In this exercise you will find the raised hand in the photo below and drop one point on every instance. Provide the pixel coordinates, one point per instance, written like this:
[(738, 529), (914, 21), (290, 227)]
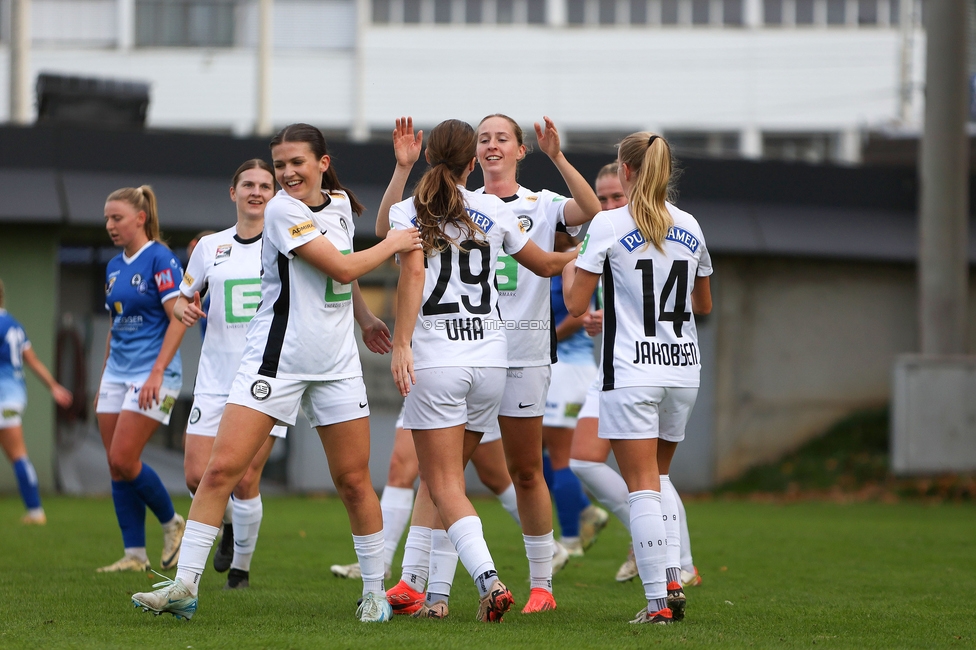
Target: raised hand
[(406, 145), (548, 138)]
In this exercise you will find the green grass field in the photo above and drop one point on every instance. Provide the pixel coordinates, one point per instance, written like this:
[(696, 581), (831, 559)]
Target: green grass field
[(865, 575)]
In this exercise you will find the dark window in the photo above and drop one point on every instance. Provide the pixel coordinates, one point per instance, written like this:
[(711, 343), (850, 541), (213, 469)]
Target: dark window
[(537, 12), (638, 12), (411, 11), (575, 12), (669, 12), (835, 12), (185, 23), (381, 11), (894, 11), (773, 12), (442, 11), (732, 12), (867, 12), (608, 12), (804, 12), (472, 11), (699, 12), (505, 12)]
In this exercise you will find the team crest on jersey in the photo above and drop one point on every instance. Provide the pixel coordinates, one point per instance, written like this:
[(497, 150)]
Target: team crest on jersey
[(223, 253), (260, 390), (164, 280), (632, 240), (481, 220), (194, 415), (683, 237), (135, 280), (525, 223), (301, 229)]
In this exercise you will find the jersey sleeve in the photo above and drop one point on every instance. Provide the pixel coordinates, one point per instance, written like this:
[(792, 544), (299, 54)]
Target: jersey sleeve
[(555, 207), (195, 277), (287, 227), (515, 237), (400, 219), (596, 245), (167, 274), (704, 260)]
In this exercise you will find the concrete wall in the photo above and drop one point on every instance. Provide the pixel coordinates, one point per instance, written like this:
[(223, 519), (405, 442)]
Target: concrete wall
[(29, 269), (801, 344), (588, 79)]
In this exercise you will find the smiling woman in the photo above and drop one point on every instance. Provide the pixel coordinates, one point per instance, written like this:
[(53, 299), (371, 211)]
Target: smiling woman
[(142, 374), (300, 353)]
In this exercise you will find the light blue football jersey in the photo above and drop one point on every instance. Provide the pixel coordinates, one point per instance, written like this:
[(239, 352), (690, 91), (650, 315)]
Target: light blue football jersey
[(135, 289), (13, 342)]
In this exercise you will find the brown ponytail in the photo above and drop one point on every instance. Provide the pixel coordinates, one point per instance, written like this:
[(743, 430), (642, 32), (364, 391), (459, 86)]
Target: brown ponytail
[(451, 147), (649, 157)]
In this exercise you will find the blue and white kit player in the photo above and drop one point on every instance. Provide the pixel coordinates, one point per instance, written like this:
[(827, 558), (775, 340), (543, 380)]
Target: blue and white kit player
[(135, 291)]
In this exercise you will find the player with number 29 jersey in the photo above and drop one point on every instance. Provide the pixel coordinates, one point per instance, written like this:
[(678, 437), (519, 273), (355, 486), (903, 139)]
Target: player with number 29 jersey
[(460, 294), (658, 347)]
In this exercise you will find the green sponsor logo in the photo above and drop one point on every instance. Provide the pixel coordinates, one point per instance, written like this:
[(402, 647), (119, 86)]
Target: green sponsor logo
[(506, 273), (241, 299), (336, 291)]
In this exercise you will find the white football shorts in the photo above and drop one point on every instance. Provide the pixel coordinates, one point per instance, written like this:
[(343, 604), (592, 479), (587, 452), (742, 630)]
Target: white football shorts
[(490, 436), (591, 404), (567, 392), (115, 397), (642, 412), (449, 396), (322, 402), (10, 414), (525, 391), (205, 415)]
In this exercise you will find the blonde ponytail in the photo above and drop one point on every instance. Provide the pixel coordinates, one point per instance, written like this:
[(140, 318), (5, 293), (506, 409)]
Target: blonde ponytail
[(143, 199), (649, 157)]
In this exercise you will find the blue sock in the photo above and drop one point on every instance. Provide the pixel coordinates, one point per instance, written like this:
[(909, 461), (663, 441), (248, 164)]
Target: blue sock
[(131, 513), (570, 501), (27, 482), (547, 471), (151, 490)]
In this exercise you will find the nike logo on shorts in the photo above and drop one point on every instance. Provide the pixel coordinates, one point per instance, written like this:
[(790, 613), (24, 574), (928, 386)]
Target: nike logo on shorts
[(525, 406)]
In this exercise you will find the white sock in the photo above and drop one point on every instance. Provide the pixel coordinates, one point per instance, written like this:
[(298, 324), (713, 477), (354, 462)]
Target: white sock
[(468, 538), (137, 552), (229, 512), (510, 503), (396, 504), (198, 539), (538, 549), (247, 523), (686, 562), (443, 564), (672, 527), (416, 558), (606, 485), (369, 550), (647, 532)]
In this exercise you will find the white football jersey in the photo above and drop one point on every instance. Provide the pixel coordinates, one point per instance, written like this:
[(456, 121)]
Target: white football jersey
[(524, 296), (227, 268), (458, 323), (649, 333), (303, 328)]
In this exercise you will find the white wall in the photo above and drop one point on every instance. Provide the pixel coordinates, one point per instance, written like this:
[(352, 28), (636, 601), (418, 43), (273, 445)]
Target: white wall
[(587, 78)]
